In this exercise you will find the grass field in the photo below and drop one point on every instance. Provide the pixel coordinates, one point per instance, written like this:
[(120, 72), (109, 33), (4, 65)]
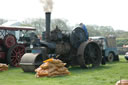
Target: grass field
[(108, 74)]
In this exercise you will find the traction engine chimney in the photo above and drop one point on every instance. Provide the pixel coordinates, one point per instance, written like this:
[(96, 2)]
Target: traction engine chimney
[(47, 23)]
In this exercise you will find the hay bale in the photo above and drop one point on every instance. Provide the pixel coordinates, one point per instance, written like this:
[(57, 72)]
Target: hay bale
[(122, 82), (3, 67), (52, 67)]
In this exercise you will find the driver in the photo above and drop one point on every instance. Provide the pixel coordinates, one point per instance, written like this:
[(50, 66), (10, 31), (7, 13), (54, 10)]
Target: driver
[(85, 29)]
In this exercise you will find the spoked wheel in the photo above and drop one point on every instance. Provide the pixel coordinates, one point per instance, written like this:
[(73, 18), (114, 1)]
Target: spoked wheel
[(9, 40), (110, 57), (14, 55), (90, 54)]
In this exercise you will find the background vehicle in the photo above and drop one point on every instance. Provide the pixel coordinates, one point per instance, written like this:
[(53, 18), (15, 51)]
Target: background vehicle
[(126, 56), (11, 48), (108, 46)]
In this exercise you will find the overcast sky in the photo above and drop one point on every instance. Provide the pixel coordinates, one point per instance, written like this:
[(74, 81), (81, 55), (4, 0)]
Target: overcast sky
[(99, 12)]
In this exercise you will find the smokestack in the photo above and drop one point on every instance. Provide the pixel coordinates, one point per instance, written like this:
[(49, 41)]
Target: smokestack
[(47, 23)]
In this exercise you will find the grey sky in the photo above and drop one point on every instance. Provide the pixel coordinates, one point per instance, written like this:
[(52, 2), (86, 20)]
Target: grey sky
[(100, 12)]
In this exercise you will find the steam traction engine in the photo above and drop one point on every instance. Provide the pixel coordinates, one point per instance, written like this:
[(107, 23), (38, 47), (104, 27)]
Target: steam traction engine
[(11, 50), (71, 48)]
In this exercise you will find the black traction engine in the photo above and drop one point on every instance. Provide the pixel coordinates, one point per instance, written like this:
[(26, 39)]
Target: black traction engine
[(71, 48)]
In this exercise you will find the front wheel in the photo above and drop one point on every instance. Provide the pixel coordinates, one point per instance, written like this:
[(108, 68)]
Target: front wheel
[(110, 57)]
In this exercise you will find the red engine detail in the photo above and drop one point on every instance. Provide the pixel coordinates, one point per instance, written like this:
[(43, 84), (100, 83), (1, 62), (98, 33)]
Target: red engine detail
[(1, 41), (2, 55), (9, 40)]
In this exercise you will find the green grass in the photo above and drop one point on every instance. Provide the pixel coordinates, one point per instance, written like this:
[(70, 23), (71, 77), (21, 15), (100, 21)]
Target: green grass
[(107, 74)]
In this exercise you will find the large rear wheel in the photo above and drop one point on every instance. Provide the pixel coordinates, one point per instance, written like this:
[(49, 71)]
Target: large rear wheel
[(14, 55), (89, 54)]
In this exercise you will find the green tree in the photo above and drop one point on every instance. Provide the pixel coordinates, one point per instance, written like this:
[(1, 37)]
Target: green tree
[(95, 30), (92, 30), (2, 21), (121, 34), (122, 41), (62, 24), (39, 24)]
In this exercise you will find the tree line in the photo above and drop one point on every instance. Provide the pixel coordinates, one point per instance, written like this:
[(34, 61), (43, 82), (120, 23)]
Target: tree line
[(94, 30), (121, 35)]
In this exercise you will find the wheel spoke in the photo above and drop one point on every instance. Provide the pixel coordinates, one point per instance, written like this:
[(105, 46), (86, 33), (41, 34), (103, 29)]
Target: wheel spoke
[(15, 54)]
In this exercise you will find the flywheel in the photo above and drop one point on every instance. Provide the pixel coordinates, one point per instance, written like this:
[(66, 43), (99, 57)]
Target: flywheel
[(9, 40)]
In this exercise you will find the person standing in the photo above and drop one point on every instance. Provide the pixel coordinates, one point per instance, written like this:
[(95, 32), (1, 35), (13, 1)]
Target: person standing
[(85, 29)]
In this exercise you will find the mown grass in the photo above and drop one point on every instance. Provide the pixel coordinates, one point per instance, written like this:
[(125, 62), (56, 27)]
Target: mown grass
[(107, 74)]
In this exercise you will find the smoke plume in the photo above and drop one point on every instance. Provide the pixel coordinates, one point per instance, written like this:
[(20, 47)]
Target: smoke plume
[(47, 5)]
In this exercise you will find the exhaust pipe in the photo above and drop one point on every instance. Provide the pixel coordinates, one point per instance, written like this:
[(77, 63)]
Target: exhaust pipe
[(47, 23)]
